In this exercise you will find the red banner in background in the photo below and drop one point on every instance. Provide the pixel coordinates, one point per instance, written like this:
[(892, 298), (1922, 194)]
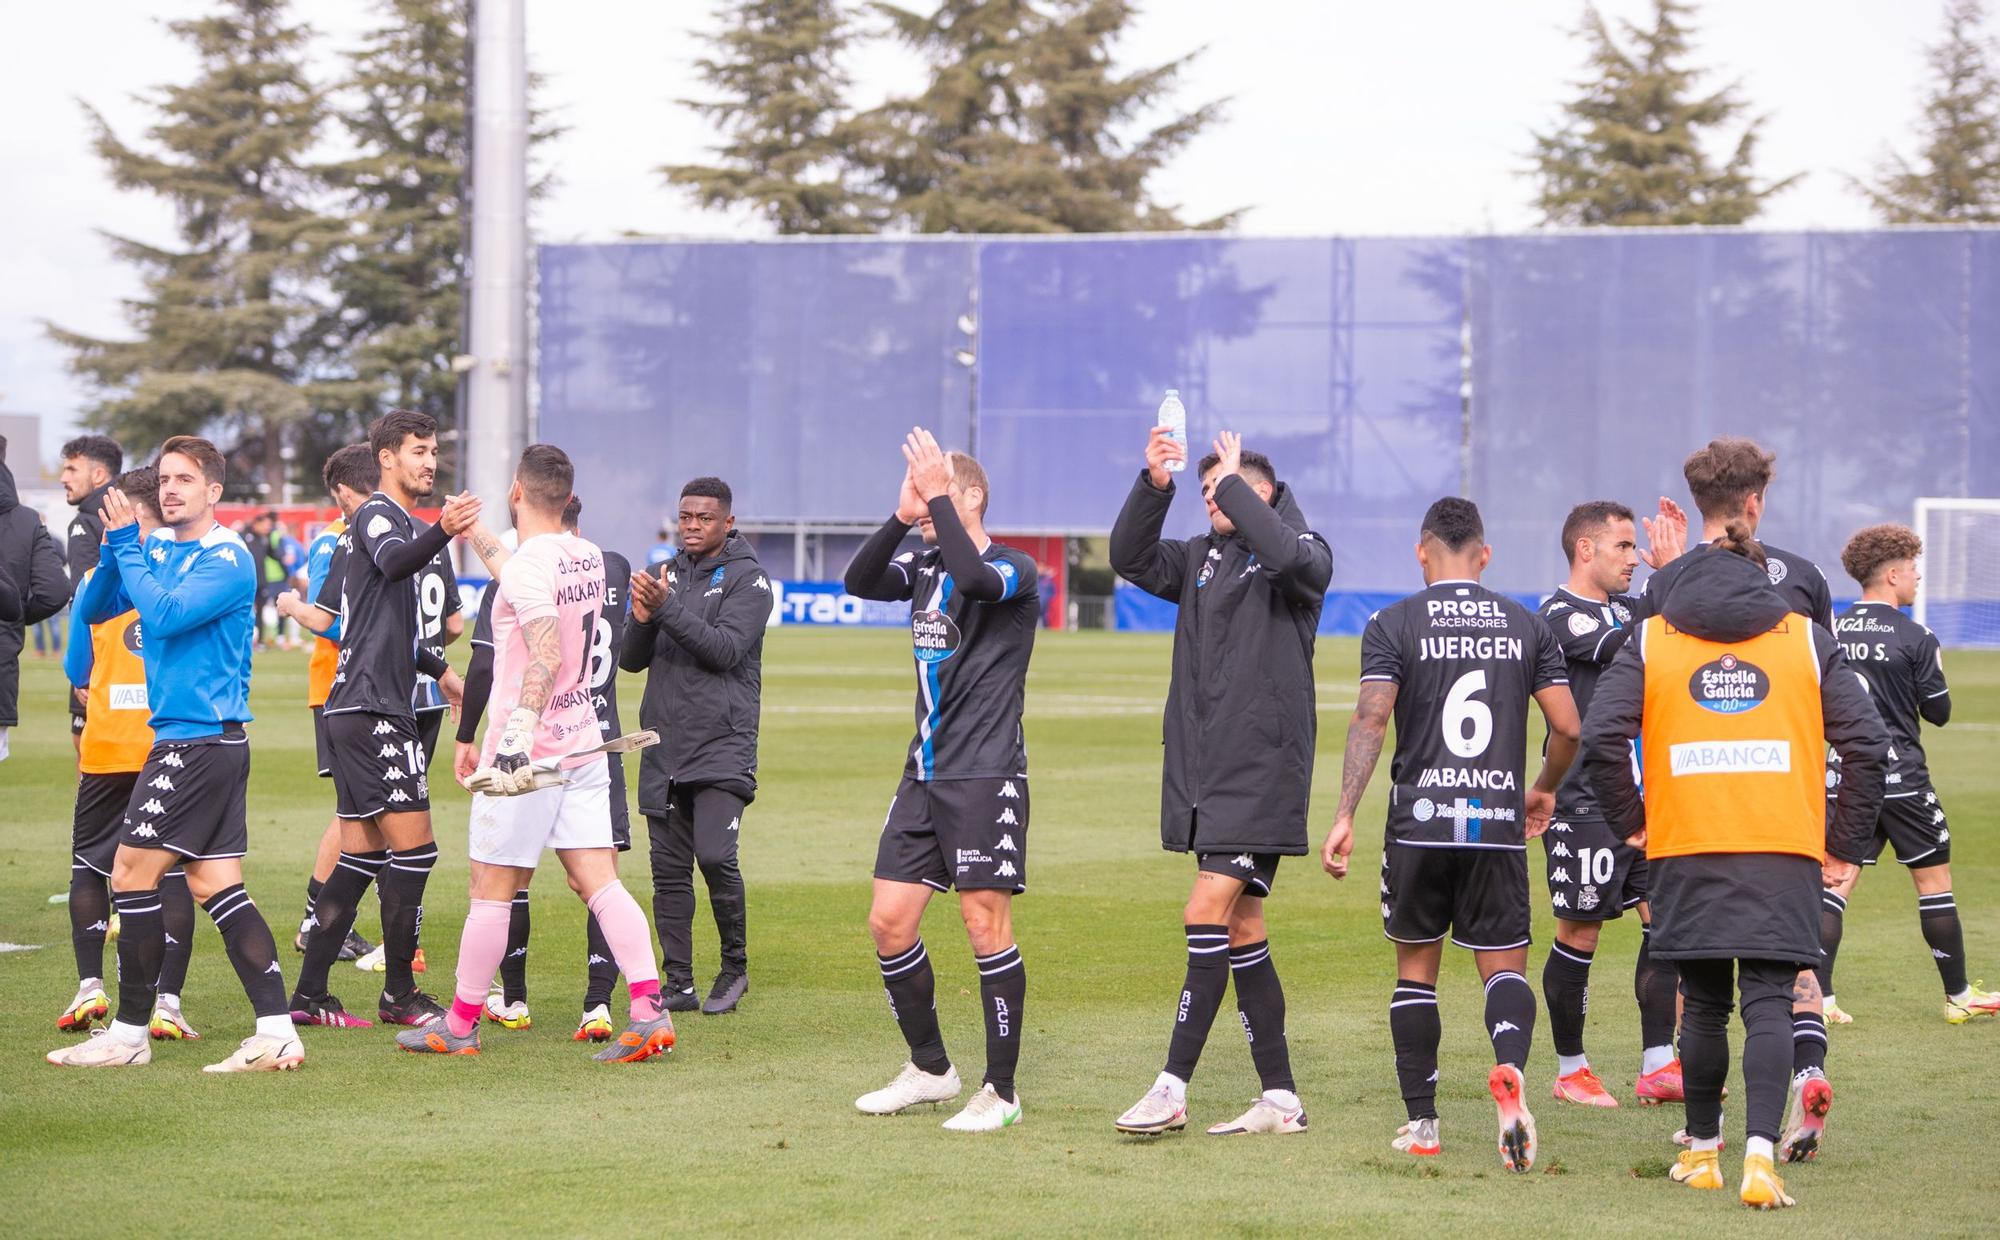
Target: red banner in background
[(1051, 552)]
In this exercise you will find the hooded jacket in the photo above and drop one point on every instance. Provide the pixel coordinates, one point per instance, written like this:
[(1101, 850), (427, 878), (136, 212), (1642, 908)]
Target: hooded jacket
[(34, 568), (1241, 716), (703, 655), (1740, 905)]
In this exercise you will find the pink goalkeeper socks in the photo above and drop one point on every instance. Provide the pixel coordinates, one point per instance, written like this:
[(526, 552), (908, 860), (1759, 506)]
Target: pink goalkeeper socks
[(624, 927), (480, 949)]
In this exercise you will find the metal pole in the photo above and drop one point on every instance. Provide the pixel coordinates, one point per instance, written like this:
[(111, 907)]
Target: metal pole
[(496, 387)]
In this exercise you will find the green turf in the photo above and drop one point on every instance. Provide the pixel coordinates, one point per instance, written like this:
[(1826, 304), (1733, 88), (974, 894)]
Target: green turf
[(751, 1123)]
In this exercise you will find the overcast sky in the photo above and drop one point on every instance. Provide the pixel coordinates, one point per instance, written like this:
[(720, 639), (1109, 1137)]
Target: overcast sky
[(1346, 117)]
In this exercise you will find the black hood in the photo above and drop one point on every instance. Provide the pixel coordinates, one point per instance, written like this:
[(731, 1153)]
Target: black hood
[(1720, 596), (10, 499)]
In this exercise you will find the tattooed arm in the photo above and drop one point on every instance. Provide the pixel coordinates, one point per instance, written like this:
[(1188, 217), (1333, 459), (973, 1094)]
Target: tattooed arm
[(1364, 748), (489, 549)]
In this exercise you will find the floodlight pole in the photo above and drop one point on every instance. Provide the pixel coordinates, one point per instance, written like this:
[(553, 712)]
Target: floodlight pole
[(496, 390)]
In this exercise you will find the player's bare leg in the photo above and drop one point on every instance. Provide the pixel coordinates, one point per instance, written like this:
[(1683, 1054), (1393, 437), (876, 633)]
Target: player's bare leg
[(1003, 989), (895, 921)]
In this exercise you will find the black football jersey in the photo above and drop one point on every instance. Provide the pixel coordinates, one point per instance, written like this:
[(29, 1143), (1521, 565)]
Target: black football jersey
[(1900, 662), (1468, 662), (1591, 635), (377, 671), (1797, 579), (437, 601), (972, 666)]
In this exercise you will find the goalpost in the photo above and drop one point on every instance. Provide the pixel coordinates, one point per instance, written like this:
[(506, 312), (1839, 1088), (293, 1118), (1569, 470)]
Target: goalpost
[(1959, 597)]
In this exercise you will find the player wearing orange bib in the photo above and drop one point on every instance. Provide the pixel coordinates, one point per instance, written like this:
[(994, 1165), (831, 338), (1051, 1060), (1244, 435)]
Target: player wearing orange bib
[(105, 662), (1734, 698)]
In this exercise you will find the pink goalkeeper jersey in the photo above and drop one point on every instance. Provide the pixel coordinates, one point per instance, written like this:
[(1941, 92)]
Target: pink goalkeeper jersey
[(561, 577)]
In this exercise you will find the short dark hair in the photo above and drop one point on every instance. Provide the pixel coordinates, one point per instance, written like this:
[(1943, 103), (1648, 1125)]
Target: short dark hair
[(214, 466), (1877, 545), (1726, 473), (1256, 467), (387, 433), (100, 448), (142, 487), (711, 487), (1585, 520), (1455, 522), (546, 476), (572, 513), (354, 467)]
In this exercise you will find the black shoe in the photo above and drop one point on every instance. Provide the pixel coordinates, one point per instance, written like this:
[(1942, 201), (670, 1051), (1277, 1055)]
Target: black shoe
[(679, 998), (727, 992), (415, 1008), (355, 947)]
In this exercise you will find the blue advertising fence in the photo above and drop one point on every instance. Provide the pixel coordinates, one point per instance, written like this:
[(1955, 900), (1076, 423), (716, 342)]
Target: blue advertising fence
[(1528, 372)]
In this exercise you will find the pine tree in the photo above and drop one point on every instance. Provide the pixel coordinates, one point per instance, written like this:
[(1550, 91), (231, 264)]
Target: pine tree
[(1025, 125), (781, 103), (1631, 148), (222, 322), (397, 276), (1957, 175)]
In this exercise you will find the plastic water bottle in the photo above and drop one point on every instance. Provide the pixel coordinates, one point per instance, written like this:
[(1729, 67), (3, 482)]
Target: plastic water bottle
[(1173, 416)]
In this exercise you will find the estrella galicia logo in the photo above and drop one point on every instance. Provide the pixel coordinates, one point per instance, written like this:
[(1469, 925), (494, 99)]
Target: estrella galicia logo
[(1729, 686), (134, 640), (934, 636)]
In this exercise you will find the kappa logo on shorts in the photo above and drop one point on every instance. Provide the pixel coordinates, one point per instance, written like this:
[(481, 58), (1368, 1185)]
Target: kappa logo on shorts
[(1006, 818), (162, 783), (392, 774), (1560, 850), (1006, 844), (399, 795), (145, 831), (1242, 861), (1560, 828), (1386, 914), (1007, 791), (171, 759), (1930, 798), (1561, 875), (1559, 900), (387, 751), (1937, 817), (152, 806), (383, 728), (1006, 869)]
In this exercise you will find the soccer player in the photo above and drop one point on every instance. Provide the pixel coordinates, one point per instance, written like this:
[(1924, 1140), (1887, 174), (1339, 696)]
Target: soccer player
[(1593, 876), (1729, 479), (1239, 730), (508, 1007), (90, 467), (698, 633), (960, 816), (350, 476), (1457, 663), (1732, 698), (545, 607), (196, 595), (106, 662), (381, 789), (1903, 669)]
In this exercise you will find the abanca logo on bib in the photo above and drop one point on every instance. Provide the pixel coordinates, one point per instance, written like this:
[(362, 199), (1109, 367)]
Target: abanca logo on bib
[(1729, 686)]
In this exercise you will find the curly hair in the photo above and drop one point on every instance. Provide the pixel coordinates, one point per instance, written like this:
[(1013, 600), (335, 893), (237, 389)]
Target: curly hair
[(1871, 549)]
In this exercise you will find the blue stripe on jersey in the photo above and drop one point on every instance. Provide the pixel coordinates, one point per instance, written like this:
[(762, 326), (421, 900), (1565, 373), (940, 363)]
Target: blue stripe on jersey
[(933, 693)]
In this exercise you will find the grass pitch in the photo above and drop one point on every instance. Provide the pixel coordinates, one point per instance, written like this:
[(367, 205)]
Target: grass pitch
[(749, 1126)]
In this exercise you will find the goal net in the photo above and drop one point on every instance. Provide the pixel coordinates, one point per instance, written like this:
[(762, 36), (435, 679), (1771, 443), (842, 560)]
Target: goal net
[(1959, 598)]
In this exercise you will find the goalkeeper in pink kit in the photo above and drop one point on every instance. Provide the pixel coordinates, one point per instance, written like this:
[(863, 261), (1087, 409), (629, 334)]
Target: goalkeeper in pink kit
[(545, 600)]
